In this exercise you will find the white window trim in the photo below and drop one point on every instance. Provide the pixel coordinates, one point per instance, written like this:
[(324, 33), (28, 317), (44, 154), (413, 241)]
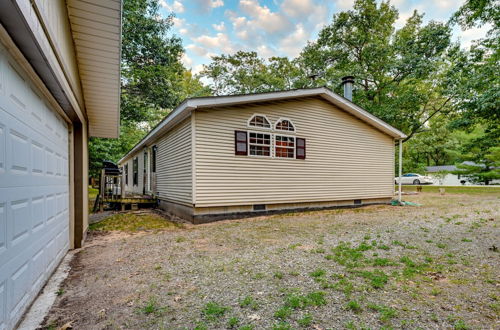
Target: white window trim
[(271, 143), (281, 130), (294, 145), (257, 127)]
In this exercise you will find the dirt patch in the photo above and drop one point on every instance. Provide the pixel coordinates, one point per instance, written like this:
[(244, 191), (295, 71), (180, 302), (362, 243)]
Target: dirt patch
[(374, 267)]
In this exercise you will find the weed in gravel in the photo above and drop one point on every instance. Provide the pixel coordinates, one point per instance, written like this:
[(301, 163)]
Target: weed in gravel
[(460, 325), (384, 247), (318, 250), (441, 245), (378, 279), (297, 301), (246, 327), (278, 275), (385, 312), (398, 243), (382, 262), (258, 276), (354, 306), (348, 256), (282, 326), (283, 313), (213, 311), (233, 322), (495, 307), (436, 292), (200, 326), (60, 292), (250, 302), (180, 239), (318, 273), (152, 307), (467, 240), (345, 286), (412, 268), (305, 321), (294, 246), (428, 241)]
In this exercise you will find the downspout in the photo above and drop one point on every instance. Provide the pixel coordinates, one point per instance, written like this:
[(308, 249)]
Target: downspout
[(400, 168)]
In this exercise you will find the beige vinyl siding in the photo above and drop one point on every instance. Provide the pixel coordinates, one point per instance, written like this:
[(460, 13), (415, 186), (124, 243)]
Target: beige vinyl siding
[(346, 158), (174, 164)]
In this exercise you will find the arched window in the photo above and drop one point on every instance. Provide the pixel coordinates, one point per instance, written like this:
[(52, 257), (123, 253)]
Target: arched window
[(259, 121), (285, 125)]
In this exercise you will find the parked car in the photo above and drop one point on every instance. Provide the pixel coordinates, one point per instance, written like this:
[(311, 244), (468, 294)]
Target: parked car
[(413, 178)]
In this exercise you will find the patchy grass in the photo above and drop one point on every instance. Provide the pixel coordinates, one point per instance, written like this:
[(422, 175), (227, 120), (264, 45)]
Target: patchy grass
[(377, 267), (454, 189), (131, 222)]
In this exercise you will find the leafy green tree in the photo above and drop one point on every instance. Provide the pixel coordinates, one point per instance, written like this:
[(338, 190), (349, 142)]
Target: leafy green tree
[(246, 72), (153, 79), (478, 93), (399, 73)]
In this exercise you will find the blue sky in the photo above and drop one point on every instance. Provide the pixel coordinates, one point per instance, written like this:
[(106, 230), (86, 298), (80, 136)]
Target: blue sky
[(276, 27)]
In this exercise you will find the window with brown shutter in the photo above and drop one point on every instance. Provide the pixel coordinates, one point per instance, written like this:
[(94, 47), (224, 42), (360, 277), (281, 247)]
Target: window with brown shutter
[(240, 143), (301, 148)]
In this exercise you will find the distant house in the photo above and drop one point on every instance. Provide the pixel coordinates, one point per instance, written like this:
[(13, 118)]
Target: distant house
[(441, 175), (299, 149), (59, 84)]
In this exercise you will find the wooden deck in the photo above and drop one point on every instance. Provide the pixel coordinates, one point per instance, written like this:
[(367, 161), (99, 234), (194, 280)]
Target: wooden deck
[(133, 200)]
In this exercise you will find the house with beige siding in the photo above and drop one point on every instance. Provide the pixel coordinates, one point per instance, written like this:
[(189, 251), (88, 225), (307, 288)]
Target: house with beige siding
[(59, 85), (214, 157)]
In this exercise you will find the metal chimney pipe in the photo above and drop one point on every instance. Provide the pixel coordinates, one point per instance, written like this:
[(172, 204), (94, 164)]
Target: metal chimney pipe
[(348, 82)]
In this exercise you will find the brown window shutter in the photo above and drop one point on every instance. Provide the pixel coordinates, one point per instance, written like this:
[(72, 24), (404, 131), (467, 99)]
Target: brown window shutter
[(240, 143), (300, 149)]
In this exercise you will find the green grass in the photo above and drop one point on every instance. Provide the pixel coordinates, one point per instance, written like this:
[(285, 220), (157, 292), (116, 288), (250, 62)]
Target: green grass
[(214, 311), (133, 223), (455, 190), (354, 306), (93, 193)]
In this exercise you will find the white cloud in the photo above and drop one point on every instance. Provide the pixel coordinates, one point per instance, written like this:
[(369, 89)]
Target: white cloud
[(186, 60), (200, 51), (176, 6), (298, 8), (344, 4), (468, 36), (206, 6), (263, 17), (178, 22), (197, 69), (292, 45), (221, 27), (218, 43)]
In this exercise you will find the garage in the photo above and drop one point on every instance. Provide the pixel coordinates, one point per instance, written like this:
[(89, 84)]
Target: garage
[(34, 191)]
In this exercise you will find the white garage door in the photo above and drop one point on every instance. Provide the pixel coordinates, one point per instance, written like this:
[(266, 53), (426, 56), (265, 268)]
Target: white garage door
[(34, 192)]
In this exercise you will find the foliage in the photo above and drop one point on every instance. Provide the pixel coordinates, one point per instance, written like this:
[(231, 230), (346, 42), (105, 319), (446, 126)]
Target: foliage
[(246, 72), (153, 79)]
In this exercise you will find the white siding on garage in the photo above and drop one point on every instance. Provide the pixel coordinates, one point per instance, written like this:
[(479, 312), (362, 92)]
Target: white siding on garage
[(34, 192), (346, 158)]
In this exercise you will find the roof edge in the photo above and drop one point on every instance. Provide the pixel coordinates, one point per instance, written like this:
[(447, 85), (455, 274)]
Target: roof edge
[(188, 105)]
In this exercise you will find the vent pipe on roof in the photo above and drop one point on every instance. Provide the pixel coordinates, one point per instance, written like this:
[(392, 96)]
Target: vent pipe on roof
[(348, 82)]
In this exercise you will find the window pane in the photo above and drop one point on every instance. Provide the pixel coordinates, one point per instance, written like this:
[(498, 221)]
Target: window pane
[(259, 121), (285, 125)]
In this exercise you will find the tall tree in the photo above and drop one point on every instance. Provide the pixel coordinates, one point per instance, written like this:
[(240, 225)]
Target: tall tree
[(398, 72), (478, 96), (246, 72), (153, 79)]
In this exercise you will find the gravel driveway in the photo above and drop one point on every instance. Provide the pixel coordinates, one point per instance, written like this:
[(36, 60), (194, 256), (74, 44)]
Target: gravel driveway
[(433, 267)]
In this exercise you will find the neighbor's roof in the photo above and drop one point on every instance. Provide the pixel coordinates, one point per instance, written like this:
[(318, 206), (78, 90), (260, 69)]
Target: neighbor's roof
[(185, 108), (439, 168), (96, 29)]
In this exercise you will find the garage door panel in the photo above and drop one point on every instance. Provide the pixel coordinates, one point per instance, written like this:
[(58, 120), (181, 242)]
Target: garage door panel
[(33, 160), (3, 303), (34, 192)]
